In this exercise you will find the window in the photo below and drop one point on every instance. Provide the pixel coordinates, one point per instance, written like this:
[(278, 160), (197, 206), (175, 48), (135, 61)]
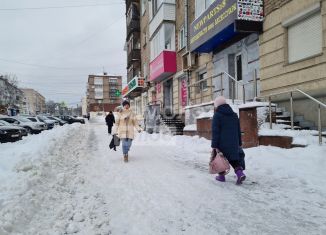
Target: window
[(163, 40), (98, 81), (143, 6), (201, 6), (182, 42), (156, 5), (98, 94), (145, 70), (144, 38), (202, 86), (305, 38)]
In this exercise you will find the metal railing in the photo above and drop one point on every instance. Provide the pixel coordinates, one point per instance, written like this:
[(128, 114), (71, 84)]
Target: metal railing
[(206, 88), (320, 105)]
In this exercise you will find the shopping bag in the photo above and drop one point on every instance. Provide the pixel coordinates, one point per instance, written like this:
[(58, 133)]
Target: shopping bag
[(218, 163)]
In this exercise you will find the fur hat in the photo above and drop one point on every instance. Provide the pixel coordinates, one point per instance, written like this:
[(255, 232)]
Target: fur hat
[(219, 101), (125, 102)]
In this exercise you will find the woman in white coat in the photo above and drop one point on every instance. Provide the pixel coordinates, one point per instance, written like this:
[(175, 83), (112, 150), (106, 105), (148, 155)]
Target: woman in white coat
[(126, 122)]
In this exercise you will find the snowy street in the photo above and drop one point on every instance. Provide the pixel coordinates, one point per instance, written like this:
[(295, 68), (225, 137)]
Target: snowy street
[(69, 182)]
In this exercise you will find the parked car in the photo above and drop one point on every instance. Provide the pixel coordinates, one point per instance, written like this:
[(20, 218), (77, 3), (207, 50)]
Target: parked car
[(9, 133), (71, 119), (22, 129), (31, 127), (60, 121), (51, 123), (36, 119)]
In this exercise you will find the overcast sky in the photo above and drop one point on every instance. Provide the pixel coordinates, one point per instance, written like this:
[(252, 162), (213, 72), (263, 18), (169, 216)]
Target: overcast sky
[(54, 50)]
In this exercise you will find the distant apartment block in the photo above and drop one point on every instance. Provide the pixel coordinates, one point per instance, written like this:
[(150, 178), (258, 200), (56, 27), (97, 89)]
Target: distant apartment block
[(34, 102), (103, 92)]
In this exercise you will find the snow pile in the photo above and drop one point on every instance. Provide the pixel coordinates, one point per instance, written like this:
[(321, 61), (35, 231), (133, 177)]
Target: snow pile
[(20, 156), (300, 137), (48, 195), (79, 186), (192, 127)]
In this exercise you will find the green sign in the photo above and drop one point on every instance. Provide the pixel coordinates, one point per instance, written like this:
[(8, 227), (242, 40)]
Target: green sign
[(117, 93), (132, 84)]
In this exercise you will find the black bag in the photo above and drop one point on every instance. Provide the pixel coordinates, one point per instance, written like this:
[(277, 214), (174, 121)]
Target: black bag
[(116, 140)]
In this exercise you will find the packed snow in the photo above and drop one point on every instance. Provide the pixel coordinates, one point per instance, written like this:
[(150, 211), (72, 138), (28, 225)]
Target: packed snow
[(67, 181)]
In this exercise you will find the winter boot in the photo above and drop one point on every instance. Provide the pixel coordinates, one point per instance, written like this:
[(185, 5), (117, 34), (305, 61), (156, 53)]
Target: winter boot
[(240, 175), (220, 178), (125, 158)]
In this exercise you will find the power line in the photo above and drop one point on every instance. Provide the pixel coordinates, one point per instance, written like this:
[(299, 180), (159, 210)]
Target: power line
[(58, 7), (46, 66)]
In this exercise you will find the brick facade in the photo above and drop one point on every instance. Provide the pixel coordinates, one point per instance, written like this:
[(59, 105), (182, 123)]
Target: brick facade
[(271, 5)]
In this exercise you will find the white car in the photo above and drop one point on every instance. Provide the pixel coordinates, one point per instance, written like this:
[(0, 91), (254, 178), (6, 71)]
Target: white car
[(31, 127)]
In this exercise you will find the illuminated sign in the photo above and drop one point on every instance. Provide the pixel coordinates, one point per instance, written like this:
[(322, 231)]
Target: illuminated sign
[(135, 83)]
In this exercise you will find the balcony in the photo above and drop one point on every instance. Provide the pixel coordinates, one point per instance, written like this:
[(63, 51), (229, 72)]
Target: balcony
[(133, 55), (133, 26), (163, 66), (166, 12), (129, 2)]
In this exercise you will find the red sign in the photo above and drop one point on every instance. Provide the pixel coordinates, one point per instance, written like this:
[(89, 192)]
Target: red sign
[(184, 92), (125, 90), (163, 66)]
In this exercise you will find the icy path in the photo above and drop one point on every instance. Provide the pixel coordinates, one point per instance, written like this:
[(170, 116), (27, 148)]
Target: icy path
[(82, 187)]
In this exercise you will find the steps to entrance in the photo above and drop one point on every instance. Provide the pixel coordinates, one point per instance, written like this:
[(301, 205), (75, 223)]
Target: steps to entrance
[(174, 125)]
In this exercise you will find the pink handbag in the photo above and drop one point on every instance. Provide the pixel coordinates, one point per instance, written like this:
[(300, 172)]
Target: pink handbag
[(218, 164)]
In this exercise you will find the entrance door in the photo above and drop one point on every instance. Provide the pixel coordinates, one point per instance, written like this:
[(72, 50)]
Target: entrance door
[(168, 98), (238, 75)]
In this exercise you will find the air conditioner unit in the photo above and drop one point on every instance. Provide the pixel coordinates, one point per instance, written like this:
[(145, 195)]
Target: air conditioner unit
[(189, 61), (192, 60)]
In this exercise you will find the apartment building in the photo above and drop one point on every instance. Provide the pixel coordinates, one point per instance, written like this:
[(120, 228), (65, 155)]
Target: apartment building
[(103, 92), (11, 98), (135, 80), (194, 50), (34, 102), (293, 55)]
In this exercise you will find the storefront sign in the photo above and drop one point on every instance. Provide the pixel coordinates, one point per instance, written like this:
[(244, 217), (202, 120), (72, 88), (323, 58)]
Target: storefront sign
[(135, 83), (251, 10), (158, 88), (223, 20), (184, 92), (163, 66)]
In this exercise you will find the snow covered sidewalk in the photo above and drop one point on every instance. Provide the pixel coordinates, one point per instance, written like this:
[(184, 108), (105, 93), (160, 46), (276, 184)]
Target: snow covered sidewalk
[(79, 186)]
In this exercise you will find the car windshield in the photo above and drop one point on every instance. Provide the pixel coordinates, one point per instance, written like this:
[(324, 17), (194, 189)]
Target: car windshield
[(52, 118), (43, 118), (22, 119), (4, 123), (32, 119)]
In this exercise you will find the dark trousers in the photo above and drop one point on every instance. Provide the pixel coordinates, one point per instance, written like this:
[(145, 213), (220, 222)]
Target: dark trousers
[(109, 129), (235, 164)]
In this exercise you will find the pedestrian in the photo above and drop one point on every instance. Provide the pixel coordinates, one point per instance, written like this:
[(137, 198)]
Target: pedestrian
[(125, 124), (226, 138), (110, 120)]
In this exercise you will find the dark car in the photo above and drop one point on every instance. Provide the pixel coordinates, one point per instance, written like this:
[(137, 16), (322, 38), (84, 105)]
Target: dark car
[(60, 121), (9, 133), (23, 131), (71, 120)]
